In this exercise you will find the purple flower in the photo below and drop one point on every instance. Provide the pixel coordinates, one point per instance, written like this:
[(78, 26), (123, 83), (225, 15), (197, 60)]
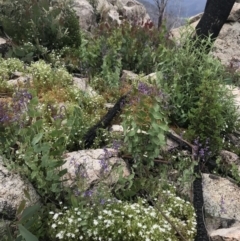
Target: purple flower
[(196, 141), (144, 89), (88, 193), (12, 111), (104, 165), (116, 145), (201, 152)]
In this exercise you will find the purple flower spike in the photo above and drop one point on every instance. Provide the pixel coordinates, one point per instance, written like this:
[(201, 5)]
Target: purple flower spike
[(144, 88), (201, 152)]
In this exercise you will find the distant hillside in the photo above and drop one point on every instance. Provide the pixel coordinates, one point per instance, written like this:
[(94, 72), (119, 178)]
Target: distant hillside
[(178, 10)]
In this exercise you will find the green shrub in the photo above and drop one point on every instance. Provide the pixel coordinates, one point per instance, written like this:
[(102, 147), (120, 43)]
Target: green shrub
[(40, 23), (38, 149), (214, 115), (7, 67), (184, 68), (113, 48), (27, 52), (145, 122), (45, 77)]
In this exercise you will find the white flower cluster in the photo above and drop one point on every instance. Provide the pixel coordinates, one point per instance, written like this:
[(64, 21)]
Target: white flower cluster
[(8, 66), (44, 74), (118, 221)]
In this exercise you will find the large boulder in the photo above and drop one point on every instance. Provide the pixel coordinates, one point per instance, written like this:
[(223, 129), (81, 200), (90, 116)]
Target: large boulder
[(221, 197), (4, 46), (226, 47), (89, 12), (94, 166), (226, 234), (229, 159), (222, 207), (85, 13), (83, 85), (12, 187)]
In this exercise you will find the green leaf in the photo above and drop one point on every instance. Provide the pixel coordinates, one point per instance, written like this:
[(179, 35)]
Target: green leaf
[(156, 108), (19, 238), (37, 138), (62, 172), (21, 207), (56, 133), (38, 124), (29, 211), (27, 195), (155, 126), (155, 141), (161, 138), (34, 174), (163, 127), (31, 112), (55, 12), (157, 115), (45, 4), (74, 201), (19, 52), (131, 133), (55, 188), (34, 101), (26, 234), (44, 147), (83, 223), (55, 163)]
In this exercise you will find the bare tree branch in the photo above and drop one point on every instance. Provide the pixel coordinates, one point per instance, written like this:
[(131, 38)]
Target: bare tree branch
[(161, 6)]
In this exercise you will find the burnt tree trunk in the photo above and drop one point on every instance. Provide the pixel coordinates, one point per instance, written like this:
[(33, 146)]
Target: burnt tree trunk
[(215, 15)]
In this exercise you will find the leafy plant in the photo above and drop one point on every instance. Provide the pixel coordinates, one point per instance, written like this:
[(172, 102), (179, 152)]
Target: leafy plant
[(46, 78), (117, 220), (113, 48), (145, 123), (40, 23), (214, 114), (38, 154), (184, 68)]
